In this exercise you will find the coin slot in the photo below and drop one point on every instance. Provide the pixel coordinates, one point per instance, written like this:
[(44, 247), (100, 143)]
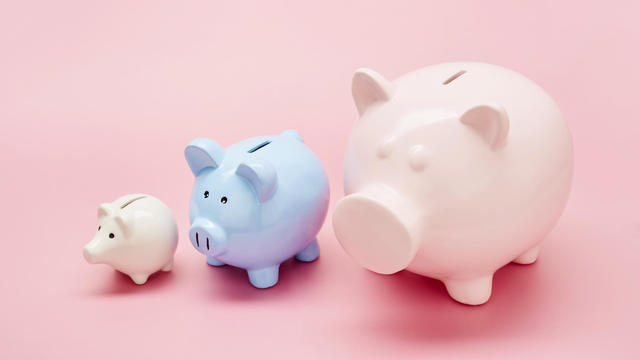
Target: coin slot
[(454, 76), (132, 200), (260, 146)]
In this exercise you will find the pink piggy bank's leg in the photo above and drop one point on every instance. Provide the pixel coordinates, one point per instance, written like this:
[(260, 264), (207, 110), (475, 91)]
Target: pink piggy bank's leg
[(528, 257), (169, 266), (470, 291), (374, 228), (139, 278)]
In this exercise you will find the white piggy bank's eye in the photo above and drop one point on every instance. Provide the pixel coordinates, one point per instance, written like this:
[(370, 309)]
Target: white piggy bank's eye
[(111, 236), (99, 227)]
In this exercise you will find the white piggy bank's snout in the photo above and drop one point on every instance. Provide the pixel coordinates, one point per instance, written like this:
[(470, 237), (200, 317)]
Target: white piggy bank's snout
[(92, 251), (377, 228), (88, 255), (207, 237)]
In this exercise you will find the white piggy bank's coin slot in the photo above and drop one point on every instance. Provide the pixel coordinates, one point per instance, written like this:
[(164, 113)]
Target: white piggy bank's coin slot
[(130, 201), (453, 77), (259, 146)]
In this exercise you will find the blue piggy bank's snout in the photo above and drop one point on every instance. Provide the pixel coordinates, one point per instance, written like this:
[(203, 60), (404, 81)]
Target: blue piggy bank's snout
[(207, 237)]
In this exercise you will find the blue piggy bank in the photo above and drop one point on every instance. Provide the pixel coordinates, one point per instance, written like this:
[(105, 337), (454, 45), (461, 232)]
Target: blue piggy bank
[(257, 203)]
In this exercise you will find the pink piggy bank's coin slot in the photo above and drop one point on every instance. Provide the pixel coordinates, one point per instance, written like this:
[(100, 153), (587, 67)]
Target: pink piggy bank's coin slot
[(453, 77), (373, 234)]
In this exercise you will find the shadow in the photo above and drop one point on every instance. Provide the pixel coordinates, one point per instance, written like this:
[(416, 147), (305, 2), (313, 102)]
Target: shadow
[(415, 308), (229, 283), (121, 284), (411, 308)]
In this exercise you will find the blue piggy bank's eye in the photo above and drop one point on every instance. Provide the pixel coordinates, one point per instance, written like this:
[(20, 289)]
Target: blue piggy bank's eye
[(223, 200), (206, 194)]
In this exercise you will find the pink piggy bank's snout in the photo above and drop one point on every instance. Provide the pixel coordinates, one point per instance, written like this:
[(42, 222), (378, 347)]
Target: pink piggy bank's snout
[(376, 228), (207, 237)]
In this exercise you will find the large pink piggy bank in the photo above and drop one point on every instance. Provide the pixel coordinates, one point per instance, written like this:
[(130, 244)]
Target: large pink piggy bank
[(452, 171)]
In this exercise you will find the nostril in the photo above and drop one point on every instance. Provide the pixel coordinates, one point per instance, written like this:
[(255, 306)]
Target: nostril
[(197, 240), (207, 243)]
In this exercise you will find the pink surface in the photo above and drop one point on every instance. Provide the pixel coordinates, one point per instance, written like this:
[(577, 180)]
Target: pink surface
[(98, 99)]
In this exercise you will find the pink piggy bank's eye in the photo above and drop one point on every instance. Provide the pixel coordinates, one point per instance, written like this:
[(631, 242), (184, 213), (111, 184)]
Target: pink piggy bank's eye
[(418, 158), (385, 147)]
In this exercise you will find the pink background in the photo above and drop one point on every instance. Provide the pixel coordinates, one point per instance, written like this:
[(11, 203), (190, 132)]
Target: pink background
[(99, 98)]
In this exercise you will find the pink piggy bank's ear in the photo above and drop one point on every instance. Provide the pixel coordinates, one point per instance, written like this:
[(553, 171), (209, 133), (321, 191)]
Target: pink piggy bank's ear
[(369, 88), (490, 121), (261, 175)]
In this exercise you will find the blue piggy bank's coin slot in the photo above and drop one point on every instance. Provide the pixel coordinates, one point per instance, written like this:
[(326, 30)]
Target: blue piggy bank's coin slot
[(258, 147)]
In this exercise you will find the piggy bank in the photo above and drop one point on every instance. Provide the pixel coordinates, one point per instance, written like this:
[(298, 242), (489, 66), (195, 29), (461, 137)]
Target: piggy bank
[(451, 172), (256, 203), (137, 235)]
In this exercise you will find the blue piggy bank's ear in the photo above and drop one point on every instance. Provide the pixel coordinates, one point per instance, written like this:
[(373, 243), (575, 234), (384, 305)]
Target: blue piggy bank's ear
[(261, 175), (203, 153), (292, 134)]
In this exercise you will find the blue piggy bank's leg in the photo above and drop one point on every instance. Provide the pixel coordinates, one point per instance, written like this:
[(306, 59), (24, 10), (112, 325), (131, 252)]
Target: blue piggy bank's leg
[(310, 253), (264, 278), (213, 261)]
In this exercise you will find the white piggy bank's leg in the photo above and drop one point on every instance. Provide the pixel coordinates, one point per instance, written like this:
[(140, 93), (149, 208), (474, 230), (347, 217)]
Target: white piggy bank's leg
[(264, 278), (213, 261), (309, 253), (528, 257), (470, 291), (139, 278)]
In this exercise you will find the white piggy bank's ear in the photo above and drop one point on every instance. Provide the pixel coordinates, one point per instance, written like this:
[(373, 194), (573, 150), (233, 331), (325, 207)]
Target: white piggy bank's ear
[(368, 88), (203, 153), (490, 121), (105, 209), (125, 223), (261, 175)]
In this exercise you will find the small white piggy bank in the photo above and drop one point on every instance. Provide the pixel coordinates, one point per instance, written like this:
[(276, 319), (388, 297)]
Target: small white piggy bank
[(137, 235)]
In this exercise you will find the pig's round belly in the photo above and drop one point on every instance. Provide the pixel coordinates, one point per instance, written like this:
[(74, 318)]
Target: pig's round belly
[(265, 248), (494, 238), (287, 235), (148, 255)]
